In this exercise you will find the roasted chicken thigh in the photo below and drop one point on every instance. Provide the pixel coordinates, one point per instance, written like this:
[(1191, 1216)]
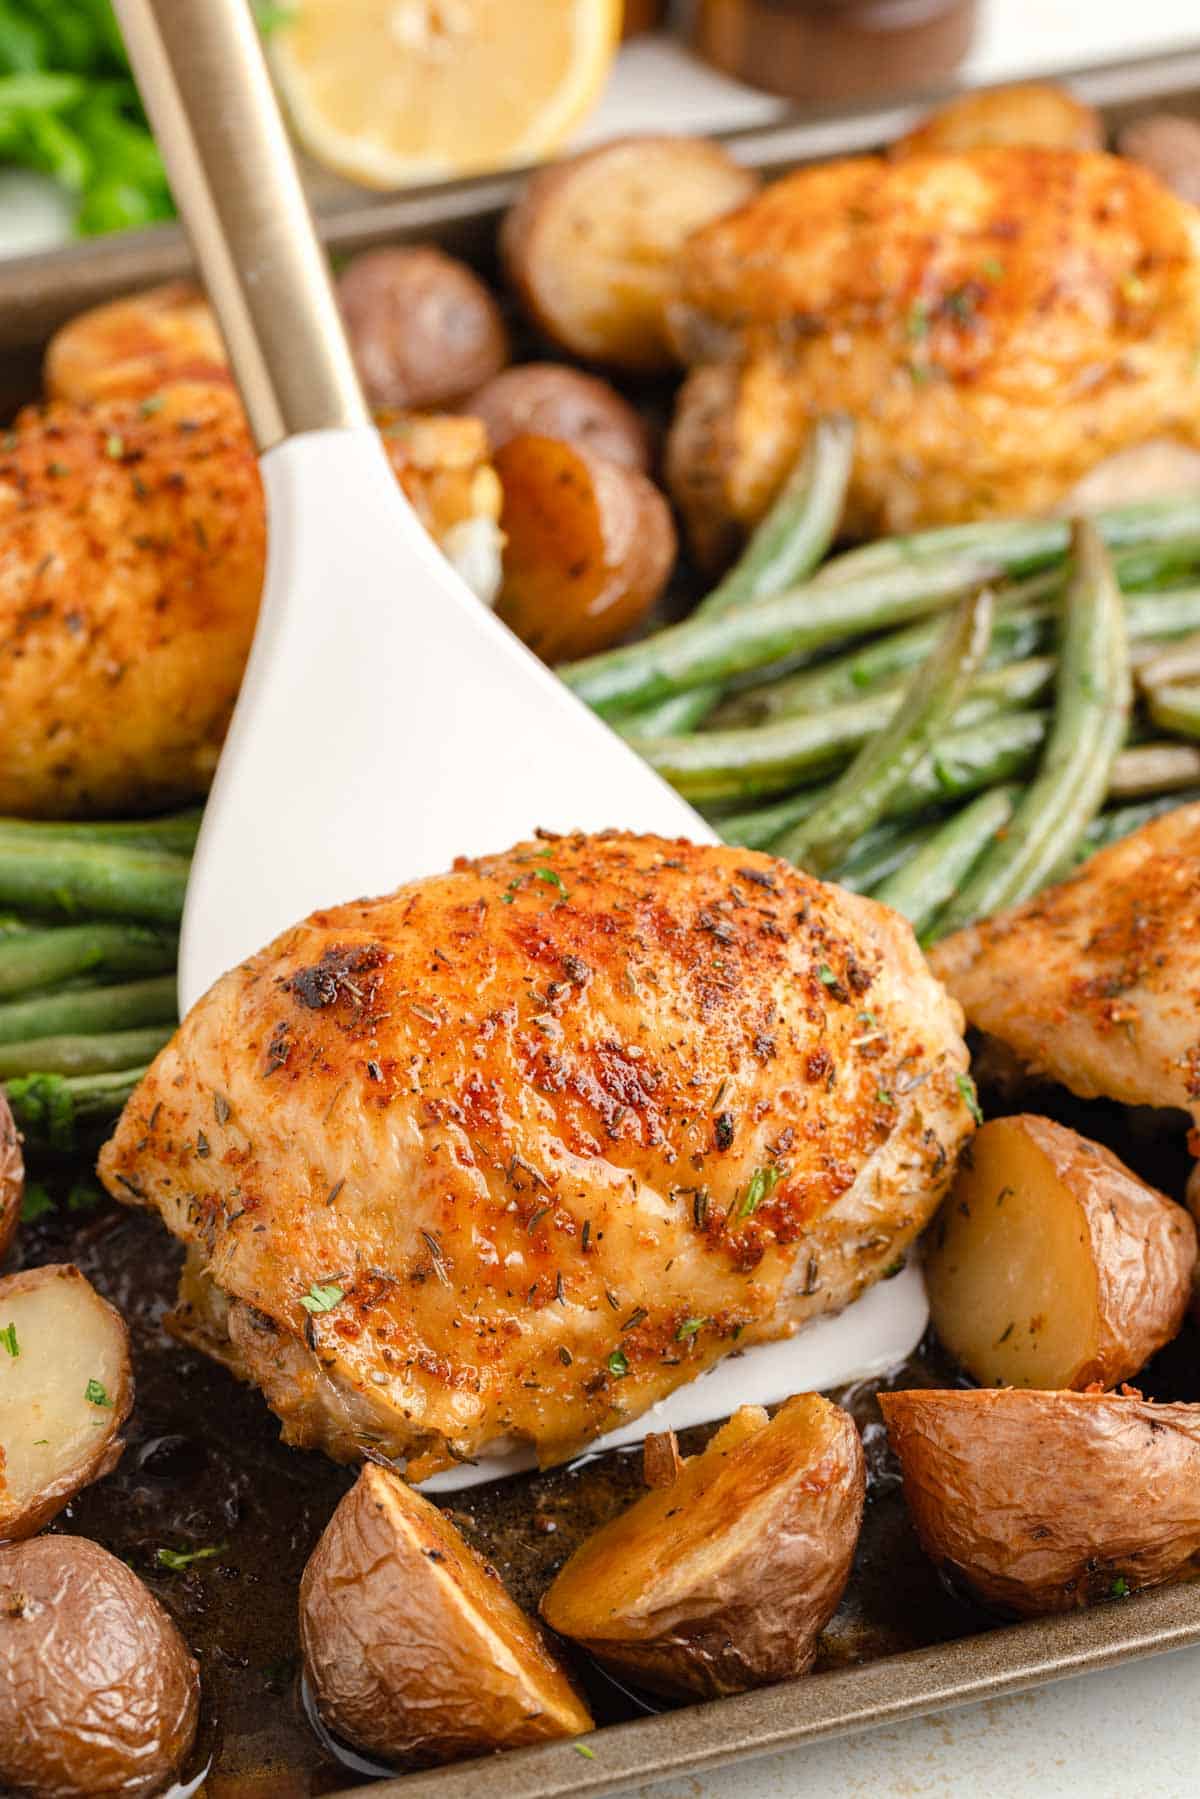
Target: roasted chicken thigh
[(509, 1154), (1096, 982), (996, 322), (132, 548)]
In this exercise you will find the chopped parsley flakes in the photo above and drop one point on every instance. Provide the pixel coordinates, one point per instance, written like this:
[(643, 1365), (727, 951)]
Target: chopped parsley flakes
[(179, 1559), (95, 1394), (8, 1336), (618, 1363), (322, 1298), (760, 1186), (970, 1099)]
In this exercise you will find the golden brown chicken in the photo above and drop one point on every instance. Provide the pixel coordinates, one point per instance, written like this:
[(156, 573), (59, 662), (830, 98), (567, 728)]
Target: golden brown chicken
[(996, 322), (131, 563), (513, 1152), (1096, 983)]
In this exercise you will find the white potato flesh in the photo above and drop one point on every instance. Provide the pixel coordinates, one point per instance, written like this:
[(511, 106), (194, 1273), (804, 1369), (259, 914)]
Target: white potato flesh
[(1051, 1264), (65, 1391)]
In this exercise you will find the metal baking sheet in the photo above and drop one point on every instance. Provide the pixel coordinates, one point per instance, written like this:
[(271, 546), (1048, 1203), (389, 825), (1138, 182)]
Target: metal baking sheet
[(954, 1658)]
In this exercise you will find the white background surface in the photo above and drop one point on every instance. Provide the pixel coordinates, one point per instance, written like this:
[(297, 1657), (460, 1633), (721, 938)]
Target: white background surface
[(1134, 1734)]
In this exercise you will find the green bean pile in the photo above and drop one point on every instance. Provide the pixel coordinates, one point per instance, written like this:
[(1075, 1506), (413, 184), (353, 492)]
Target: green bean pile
[(948, 721), (87, 965)]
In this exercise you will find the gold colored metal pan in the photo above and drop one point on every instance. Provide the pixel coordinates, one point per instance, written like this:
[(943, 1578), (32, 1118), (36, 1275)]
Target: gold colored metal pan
[(36, 294)]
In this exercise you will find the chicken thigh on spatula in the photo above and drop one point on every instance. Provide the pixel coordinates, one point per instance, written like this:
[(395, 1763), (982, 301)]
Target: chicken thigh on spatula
[(509, 1154)]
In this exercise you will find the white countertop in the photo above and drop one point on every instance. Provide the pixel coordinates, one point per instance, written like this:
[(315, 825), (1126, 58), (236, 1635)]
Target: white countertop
[(1132, 1734)]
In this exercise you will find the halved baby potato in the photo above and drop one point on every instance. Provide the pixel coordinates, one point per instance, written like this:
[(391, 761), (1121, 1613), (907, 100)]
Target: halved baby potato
[(1035, 113), (65, 1391), (723, 1578), (1045, 1502), (413, 1649), (12, 1175), (98, 1693), (1051, 1264), (589, 546), (591, 243)]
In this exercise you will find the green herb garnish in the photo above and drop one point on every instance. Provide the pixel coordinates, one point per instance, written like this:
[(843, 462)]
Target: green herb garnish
[(618, 1363), (1120, 1587), (322, 1298), (582, 1749), (552, 878), (95, 1394), (8, 1336), (969, 1097), (826, 975), (178, 1559), (760, 1186), (689, 1328)]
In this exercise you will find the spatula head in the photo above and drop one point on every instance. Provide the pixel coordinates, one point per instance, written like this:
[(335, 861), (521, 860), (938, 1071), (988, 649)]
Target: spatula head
[(388, 723)]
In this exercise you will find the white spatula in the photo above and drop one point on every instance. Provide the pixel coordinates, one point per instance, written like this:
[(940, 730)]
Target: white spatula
[(387, 721)]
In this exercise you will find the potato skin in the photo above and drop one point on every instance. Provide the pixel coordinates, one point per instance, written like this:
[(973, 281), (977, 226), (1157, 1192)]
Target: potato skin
[(1169, 144), (550, 399), (413, 1649), (591, 241), (1033, 112), (1140, 1244), (710, 1617), (98, 1693), (590, 546), (12, 1175), (1047, 1502), (424, 329)]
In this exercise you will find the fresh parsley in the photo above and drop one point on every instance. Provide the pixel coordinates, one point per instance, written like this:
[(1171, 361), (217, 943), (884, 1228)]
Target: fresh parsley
[(179, 1559), (322, 1298), (1120, 1587), (618, 1363), (760, 1186), (969, 1097), (826, 975), (689, 1328), (8, 1336), (95, 1394)]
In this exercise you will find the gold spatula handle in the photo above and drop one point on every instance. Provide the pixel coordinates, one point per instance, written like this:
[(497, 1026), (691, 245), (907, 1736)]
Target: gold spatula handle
[(203, 77)]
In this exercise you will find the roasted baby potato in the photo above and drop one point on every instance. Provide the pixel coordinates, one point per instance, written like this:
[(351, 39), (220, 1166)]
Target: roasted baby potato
[(724, 1578), (12, 1175), (413, 1649), (590, 244), (1034, 113), (130, 348), (424, 329), (98, 1693), (1044, 1502), (1168, 143), (551, 400), (1051, 1265), (589, 546), (65, 1391)]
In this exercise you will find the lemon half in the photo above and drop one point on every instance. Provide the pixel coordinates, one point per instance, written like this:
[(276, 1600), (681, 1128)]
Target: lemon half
[(394, 92)]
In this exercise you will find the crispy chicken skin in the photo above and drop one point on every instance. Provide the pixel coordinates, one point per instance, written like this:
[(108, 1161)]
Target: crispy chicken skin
[(1095, 982), (553, 1133), (996, 322), (131, 562)]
